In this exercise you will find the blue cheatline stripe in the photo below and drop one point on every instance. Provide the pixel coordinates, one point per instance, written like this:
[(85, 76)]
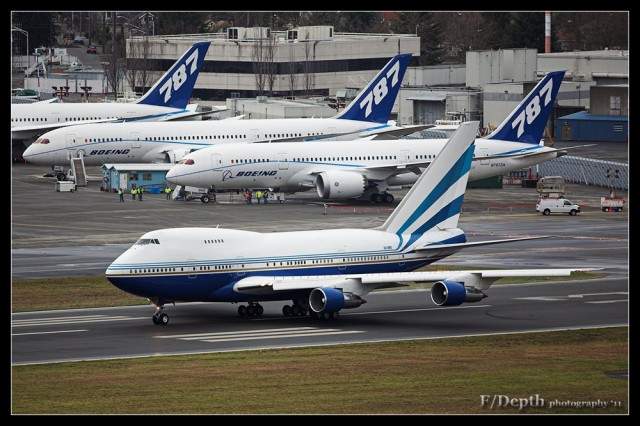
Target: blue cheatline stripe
[(461, 166)]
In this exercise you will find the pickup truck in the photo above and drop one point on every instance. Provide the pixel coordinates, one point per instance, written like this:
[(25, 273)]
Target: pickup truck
[(611, 204)]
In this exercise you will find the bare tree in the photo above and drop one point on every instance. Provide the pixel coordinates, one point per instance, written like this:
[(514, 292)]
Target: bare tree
[(263, 63), (309, 76), (114, 71), (139, 67), (293, 73), (464, 32)]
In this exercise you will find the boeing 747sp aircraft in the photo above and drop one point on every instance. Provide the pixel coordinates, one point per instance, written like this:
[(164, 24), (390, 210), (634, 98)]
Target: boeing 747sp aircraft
[(320, 271), (168, 99), (367, 115), (368, 169)]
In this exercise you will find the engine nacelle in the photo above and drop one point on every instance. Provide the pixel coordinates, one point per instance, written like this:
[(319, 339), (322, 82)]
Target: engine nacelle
[(176, 155), (340, 184), (451, 293), (325, 299)]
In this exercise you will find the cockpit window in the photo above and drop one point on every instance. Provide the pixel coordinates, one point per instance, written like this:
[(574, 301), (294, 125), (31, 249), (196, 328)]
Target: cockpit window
[(145, 241), (187, 161), (43, 141)]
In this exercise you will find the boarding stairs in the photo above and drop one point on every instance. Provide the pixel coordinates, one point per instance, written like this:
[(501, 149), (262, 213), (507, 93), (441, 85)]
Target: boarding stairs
[(79, 171)]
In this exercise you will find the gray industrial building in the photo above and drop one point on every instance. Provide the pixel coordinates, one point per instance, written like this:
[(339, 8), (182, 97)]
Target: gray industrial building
[(319, 62), (251, 62)]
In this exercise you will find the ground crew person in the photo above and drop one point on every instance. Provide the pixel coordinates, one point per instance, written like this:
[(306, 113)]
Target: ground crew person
[(121, 194), (140, 191), (167, 191), (259, 195), (133, 193)]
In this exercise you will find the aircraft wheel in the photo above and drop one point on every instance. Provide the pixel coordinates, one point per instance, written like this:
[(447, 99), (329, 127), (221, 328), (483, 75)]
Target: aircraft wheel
[(242, 311), (325, 315), (376, 198), (163, 319), (155, 319), (388, 198), (295, 311), (286, 310), (251, 310), (335, 315), (259, 310)]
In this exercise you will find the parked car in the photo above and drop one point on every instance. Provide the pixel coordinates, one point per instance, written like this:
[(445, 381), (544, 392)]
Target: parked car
[(92, 49)]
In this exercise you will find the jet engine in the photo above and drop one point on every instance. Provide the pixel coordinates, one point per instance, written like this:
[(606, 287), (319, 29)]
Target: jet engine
[(326, 299), (451, 293), (340, 184), (175, 155)]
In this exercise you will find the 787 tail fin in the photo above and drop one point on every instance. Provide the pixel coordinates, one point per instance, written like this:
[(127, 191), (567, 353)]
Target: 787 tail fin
[(527, 122), (176, 86), (375, 102)]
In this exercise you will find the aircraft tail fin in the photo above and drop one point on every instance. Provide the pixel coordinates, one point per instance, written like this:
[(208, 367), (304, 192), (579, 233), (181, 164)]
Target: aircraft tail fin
[(527, 122), (175, 87), (374, 102), (435, 200)]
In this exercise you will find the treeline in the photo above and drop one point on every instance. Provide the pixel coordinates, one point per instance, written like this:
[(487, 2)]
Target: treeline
[(445, 36)]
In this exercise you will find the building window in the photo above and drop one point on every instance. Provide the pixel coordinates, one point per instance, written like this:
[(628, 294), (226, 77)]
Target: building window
[(614, 105)]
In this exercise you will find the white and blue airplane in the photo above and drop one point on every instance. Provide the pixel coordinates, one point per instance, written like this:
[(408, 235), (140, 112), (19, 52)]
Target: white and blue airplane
[(363, 169), (168, 99), (320, 271), (367, 115)]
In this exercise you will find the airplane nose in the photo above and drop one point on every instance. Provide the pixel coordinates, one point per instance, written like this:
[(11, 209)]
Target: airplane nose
[(28, 153), (171, 175)]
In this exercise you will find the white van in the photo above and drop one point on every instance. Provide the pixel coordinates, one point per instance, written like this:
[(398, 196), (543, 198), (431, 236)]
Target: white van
[(547, 206)]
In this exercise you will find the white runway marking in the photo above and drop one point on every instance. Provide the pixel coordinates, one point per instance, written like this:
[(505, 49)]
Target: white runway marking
[(50, 332), (275, 333), (70, 320)]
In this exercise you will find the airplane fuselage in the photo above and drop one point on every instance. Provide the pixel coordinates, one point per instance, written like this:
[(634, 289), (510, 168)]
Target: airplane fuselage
[(31, 120), (292, 167), (170, 141), (204, 263)]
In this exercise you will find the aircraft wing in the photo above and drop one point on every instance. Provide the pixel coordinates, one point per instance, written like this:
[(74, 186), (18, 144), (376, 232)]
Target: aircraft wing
[(192, 115), (29, 132), (362, 284), (394, 132), (387, 132), (459, 246)]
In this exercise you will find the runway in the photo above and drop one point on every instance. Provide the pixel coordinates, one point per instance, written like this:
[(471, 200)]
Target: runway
[(78, 234), (127, 332)]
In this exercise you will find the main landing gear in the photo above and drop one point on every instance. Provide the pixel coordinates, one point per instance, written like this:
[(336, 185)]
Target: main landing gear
[(252, 310), (382, 197), (300, 308)]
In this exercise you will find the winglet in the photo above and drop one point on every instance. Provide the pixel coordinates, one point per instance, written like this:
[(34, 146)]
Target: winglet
[(527, 122), (176, 86), (435, 200), (375, 102)]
